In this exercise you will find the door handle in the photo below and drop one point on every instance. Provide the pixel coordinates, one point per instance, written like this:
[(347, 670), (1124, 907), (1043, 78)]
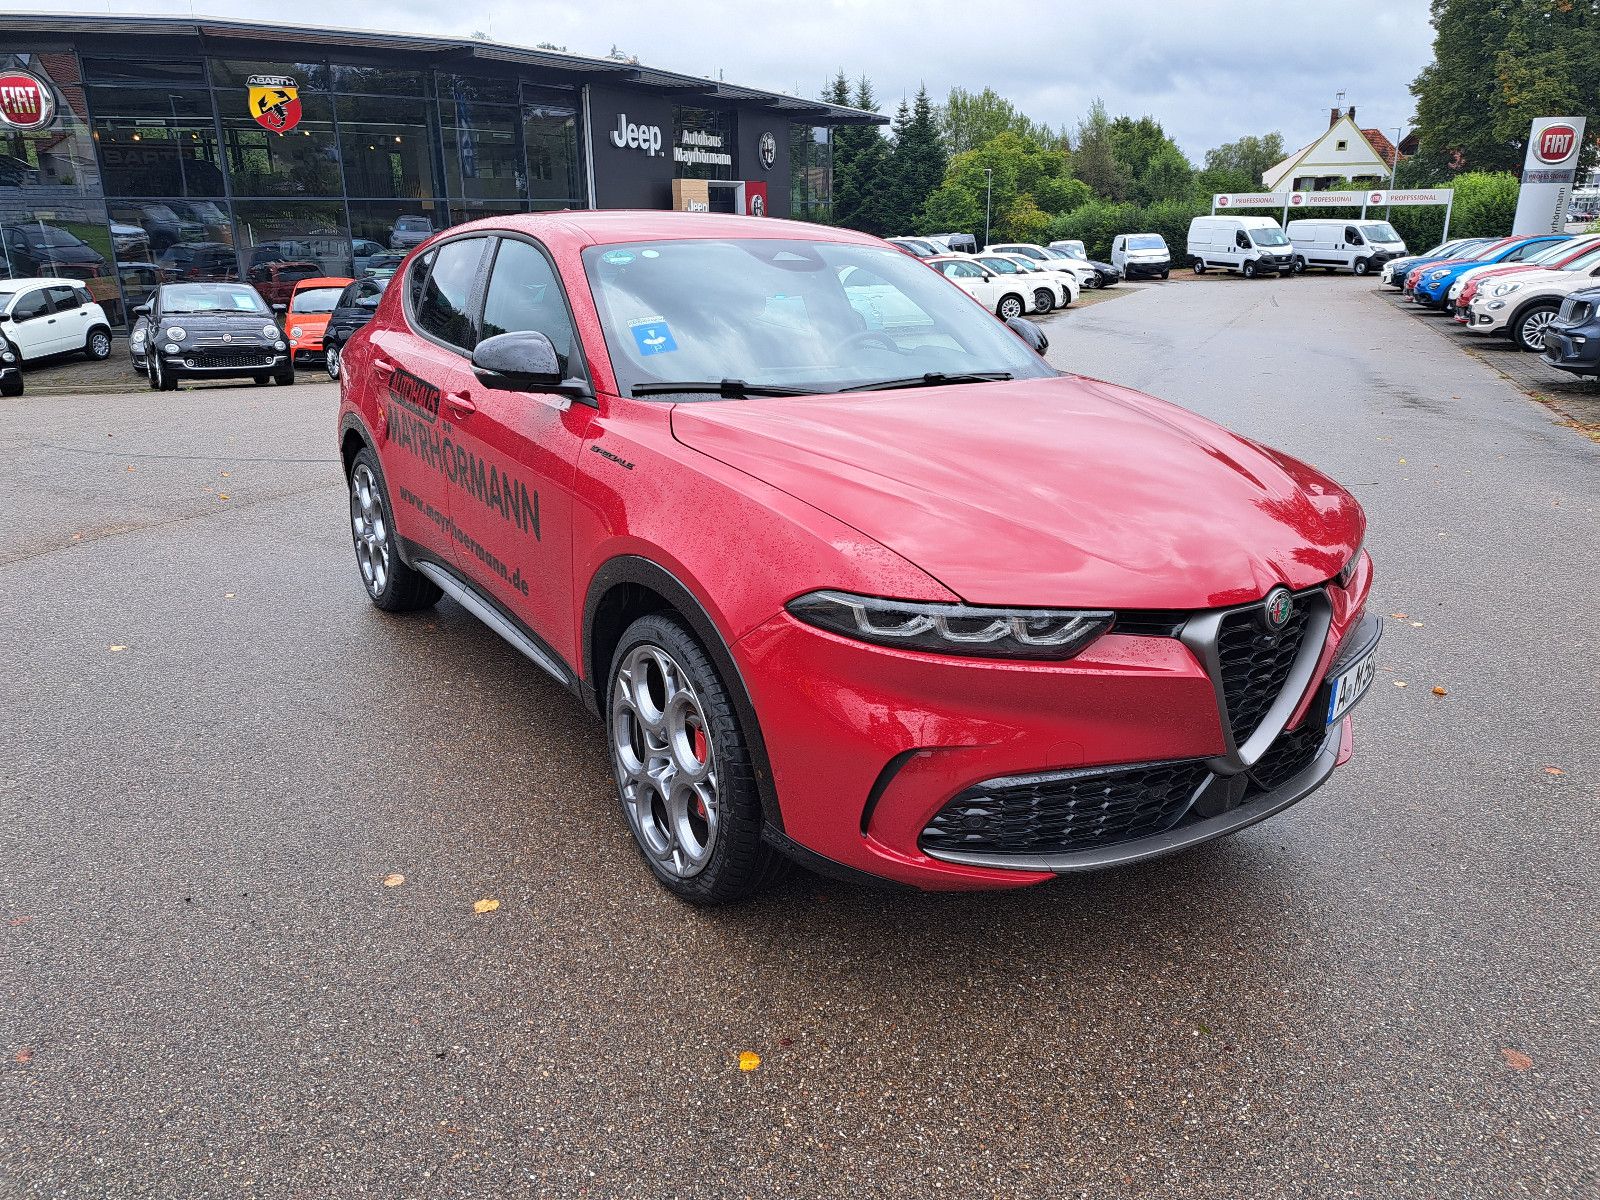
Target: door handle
[(382, 368), (460, 403)]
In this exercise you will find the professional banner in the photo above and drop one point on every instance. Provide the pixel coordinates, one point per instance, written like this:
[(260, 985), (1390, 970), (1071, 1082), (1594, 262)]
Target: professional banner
[(1321, 199), (1547, 172), (1412, 196), (1249, 200)]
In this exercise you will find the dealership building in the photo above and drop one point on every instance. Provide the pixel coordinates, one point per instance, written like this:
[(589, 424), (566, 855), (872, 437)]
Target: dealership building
[(135, 150)]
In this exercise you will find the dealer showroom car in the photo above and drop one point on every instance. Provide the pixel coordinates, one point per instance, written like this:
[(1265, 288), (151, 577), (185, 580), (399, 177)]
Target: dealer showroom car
[(208, 331), (45, 317), (901, 601)]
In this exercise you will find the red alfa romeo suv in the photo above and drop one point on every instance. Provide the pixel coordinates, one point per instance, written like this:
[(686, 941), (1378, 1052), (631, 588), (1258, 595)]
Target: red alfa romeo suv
[(851, 575)]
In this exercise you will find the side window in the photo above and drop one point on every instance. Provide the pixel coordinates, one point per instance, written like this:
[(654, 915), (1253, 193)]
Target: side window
[(83, 295), (30, 305), (524, 294), (417, 279), (1351, 236), (1241, 241), (64, 298), (442, 310)]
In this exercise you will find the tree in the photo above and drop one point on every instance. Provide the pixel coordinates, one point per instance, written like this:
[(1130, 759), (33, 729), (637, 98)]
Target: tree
[(968, 119), (1249, 157), (1166, 176), (861, 184), (918, 163), (1093, 159), (1019, 171)]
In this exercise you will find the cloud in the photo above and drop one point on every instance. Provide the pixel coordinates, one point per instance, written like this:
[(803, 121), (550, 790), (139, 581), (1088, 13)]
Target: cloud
[(1208, 70)]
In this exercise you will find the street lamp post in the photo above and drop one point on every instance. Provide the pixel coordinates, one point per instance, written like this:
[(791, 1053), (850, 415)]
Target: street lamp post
[(988, 199)]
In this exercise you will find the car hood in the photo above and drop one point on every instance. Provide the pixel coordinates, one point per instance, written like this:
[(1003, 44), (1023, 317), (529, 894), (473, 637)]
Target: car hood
[(1052, 492), (242, 326)]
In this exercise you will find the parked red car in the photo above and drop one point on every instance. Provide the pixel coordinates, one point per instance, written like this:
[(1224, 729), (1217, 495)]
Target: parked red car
[(848, 571)]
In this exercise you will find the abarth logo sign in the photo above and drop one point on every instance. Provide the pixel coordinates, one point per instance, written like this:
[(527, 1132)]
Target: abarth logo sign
[(274, 102), (1277, 610), (26, 101), (1556, 144)]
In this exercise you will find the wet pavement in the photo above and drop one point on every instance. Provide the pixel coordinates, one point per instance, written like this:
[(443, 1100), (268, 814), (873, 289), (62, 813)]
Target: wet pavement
[(215, 752)]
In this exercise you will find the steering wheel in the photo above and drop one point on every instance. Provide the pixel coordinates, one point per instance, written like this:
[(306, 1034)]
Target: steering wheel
[(868, 337)]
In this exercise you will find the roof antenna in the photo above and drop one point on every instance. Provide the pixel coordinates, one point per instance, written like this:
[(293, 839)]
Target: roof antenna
[(1339, 98)]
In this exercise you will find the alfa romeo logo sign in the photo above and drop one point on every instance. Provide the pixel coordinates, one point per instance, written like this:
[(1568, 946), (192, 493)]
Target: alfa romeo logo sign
[(1277, 610), (1556, 144), (767, 148), (274, 102), (26, 102)]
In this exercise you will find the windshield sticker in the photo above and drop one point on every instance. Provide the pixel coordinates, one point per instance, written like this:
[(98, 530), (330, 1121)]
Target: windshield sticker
[(653, 335), (650, 253), (617, 258)]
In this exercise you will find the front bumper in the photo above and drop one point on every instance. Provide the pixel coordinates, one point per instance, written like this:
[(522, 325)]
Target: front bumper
[(1483, 319), (868, 746), (1134, 270), (1563, 350), (242, 364)]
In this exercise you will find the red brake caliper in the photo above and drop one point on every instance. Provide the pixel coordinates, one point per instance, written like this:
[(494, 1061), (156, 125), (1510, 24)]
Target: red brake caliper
[(700, 751)]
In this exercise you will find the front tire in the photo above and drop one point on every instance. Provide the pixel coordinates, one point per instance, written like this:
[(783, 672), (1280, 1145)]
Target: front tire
[(1009, 307), (160, 380), (1361, 266), (285, 376), (391, 585), (97, 347), (1248, 270), (1044, 301), (1528, 331), (12, 388), (332, 363), (682, 765)]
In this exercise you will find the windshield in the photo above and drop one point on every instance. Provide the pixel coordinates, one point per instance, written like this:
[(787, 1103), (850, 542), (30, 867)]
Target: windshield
[(1584, 261), (1380, 231), (413, 224), (317, 300), (1003, 265), (1482, 252), (1556, 252), (198, 298), (1268, 237), (818, 316), (1152, 241)]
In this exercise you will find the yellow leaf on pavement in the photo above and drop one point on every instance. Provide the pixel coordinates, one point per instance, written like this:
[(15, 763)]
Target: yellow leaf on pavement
[(1439, 691), (749, 1060), (116, 648), (483, 906), (394, 880)]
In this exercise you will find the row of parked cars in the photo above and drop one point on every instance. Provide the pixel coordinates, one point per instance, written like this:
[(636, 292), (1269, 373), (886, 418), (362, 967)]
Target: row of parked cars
[(1541, 291)]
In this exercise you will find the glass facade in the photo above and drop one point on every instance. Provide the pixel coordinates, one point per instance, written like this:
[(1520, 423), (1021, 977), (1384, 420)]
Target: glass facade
[(265, 170), (811, 173)]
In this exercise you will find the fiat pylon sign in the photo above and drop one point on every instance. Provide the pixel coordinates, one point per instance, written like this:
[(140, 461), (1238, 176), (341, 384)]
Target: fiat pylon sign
[(1554, 144)]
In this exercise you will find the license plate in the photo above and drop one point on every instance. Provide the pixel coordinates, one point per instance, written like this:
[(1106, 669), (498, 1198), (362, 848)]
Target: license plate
[(1350, 685)]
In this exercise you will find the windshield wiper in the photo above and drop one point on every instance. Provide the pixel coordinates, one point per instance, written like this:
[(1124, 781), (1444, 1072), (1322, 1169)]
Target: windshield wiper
[(728, 389), (931, 379)]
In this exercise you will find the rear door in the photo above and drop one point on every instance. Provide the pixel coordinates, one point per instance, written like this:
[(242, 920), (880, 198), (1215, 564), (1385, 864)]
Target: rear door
[(515, 508), (421, 371), (72, 317)]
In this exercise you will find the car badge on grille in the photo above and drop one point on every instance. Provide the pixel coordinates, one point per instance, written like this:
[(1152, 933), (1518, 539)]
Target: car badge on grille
[(1277, 609), (227, 337)]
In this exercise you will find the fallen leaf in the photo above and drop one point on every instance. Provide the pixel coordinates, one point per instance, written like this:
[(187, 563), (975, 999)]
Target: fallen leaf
[(15, 921), (1399, 683), (227, 595), (130, 468), (1554, 771), (77, 537), (1416, 624), (749, 1060), (223, 496), (25, 1055), (1439, 691), (116, 648), (1516, 1059), (393, 880), (483, 906), (1398, 616), (227, 474), (1402, 462)]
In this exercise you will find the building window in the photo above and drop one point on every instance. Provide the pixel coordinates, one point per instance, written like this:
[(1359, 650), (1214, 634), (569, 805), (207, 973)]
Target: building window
[(386, 147), (811, 172), (482, 154), (378, 81), (303, 161), (156, 141), (1341, 144), (703, 144), (392, 227), (284, 241), (550, 144)]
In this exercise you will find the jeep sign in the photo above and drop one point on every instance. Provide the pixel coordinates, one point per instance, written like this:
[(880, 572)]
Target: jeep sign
[(1547, 174), (636, 137)]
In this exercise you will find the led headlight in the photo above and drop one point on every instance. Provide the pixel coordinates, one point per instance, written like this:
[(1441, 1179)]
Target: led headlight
[(295, 332), (269, 331), (1438, 274), (176, 334), (958, 629), (1505, 289)]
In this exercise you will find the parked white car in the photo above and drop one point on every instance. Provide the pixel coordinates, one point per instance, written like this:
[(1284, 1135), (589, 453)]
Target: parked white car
[(49, 316), (1006, 296), (1071, 247), (1250, 245), (1051, 288), (1136, 254), (1087, 275), (1345, 243), (1523, 305)]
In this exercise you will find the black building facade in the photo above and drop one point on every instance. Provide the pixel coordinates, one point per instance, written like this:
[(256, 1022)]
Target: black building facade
[(136, 150)]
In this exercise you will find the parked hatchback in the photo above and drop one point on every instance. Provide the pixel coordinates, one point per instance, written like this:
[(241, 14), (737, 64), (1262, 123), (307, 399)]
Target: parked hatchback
[(208, 331), (310, 305), (354, 308), (44, 317), (903, 602)]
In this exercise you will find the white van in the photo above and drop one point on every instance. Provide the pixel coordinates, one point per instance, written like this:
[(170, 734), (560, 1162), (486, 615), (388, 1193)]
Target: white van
[(1250, 245), (1336, 243), (1136, 254)]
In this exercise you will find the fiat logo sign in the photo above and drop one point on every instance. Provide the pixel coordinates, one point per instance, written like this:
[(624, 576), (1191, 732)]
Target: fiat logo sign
[(25, 101), (1556, 143)]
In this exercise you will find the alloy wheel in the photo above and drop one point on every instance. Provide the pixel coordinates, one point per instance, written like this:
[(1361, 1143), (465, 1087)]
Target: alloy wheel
[(100, 345), (665, 764), (370, 526), (333, 362), (1010, 307), (1533, 328)]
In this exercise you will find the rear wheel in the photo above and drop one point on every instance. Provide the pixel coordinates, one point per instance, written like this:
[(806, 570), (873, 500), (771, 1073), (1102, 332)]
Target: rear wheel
[(98, 345), (1043, 300), (1010, 306), (390, 584), (284, 376), (1530, 326), (683, 767), (1199, 265), (1164, 274), (331, 362)]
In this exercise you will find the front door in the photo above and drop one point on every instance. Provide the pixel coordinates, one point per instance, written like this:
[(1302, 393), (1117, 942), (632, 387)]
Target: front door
[(522, 448), (33, 324)]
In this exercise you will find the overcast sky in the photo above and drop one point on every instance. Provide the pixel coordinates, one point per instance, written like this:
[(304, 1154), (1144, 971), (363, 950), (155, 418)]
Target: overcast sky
[(1208, 70)]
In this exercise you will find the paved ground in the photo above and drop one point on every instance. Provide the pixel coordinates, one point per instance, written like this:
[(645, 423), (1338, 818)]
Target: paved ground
[(214, 751)]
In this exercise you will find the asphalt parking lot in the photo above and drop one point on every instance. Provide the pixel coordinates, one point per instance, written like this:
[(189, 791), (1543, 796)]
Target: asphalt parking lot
[(215, 752)]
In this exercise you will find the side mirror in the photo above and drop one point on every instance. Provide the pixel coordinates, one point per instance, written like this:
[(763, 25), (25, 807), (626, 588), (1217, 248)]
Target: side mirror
[(4, 317), (142, 310), (280, 309), (1030, 333), (522, 361)]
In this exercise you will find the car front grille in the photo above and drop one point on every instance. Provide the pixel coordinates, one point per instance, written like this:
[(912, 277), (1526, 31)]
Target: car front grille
[(1289, 755), (1574, 312), (1255, 664), (229, 358), (1074, 810)]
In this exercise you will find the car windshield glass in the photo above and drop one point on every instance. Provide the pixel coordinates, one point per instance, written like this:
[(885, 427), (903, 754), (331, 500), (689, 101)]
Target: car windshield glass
[(1150, 241), (413, 224), (1068, 252), (1489, 250), (198, 298), (819, 316), (1268, 237), (1380, 231), (317, 300), (1554, 252), (1584, 261)]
